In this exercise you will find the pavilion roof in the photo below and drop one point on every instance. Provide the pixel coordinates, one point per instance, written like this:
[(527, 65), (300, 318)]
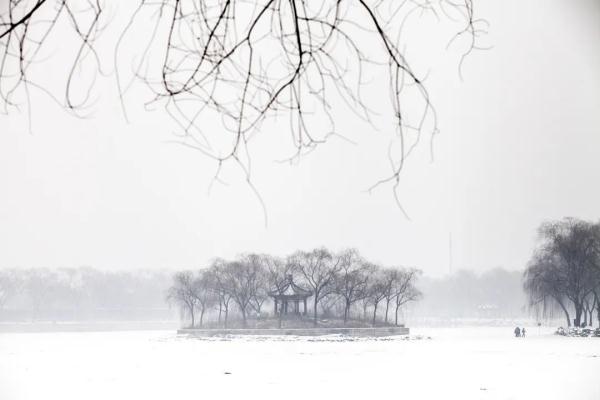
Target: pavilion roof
[(290, 289)]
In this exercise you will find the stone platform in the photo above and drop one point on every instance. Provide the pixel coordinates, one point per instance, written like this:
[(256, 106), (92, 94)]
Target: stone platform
[(362, 332)]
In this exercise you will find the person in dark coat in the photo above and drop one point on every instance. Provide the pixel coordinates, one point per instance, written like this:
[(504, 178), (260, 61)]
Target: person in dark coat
[(517, 332), (523, 332)]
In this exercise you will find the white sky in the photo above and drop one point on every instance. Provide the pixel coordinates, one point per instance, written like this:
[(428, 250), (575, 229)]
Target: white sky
[(518, 144)]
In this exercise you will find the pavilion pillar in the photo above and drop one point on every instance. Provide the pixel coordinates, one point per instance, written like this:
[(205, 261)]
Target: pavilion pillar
[(296, 306), (304, 306), (275, 302), (286, 307)]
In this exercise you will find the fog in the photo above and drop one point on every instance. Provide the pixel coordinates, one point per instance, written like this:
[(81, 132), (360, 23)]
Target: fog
[(516, 146), (95, 299)]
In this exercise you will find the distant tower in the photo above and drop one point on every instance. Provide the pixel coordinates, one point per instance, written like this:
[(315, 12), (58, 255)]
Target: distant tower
[(450, 253)]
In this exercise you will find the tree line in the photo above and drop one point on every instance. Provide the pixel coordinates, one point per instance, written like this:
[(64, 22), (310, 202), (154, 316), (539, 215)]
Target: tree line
[(344, 286), (83, 294), (90, 294), (564, 271)]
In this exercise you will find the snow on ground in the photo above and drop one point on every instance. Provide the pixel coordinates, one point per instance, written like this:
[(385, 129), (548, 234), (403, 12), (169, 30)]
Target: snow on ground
[(456, 363)]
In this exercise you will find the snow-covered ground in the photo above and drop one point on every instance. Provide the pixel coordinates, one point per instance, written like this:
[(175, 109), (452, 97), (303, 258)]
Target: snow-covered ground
[(456, 363)]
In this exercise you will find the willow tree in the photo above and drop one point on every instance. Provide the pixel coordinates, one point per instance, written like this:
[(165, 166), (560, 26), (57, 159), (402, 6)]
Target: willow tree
[(565, 267), (352, 279), (319, 269)]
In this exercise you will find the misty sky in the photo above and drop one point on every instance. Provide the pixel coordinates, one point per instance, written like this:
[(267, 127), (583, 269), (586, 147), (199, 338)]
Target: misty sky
[(518, 144)]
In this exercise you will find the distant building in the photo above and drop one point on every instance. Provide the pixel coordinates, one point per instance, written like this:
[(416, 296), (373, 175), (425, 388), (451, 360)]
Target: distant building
[(288, 297)]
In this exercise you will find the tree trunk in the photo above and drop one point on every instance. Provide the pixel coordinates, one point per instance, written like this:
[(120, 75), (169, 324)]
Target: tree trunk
[(244, 321), (578, 312), (598, 309), (192, 315), (202, 316), (315, 304), (591, 310), (396, 320), (346, 311), (560, 303), (220, 311), (387, 307), (375, 312)]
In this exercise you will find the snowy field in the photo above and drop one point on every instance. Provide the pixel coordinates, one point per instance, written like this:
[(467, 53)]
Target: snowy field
[(456, 363)]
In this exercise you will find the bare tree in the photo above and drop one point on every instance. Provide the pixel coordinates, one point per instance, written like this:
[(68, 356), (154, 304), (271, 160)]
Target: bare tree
[(589, 305), (42, 287), (183, 292), (376, 291), (205, 295), (364, 303), (542, 283), (352, 279), (278, 273), (241, 280), (10, 284), (26, 28), (389, 277), (597, 302), (318, 268), (331, 306), (244, 62), (261, 292), (565, 265), (215, 274), (224, 302), (404, 289)]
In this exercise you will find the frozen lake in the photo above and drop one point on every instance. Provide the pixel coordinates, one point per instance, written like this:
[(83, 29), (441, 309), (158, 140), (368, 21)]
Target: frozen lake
[(465, 363)]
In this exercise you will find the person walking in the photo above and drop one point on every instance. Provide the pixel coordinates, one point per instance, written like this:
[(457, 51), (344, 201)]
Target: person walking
[(523, 332), (517, 332)]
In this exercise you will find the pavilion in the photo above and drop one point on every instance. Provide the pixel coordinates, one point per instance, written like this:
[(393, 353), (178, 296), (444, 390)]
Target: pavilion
[(288, 296)]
